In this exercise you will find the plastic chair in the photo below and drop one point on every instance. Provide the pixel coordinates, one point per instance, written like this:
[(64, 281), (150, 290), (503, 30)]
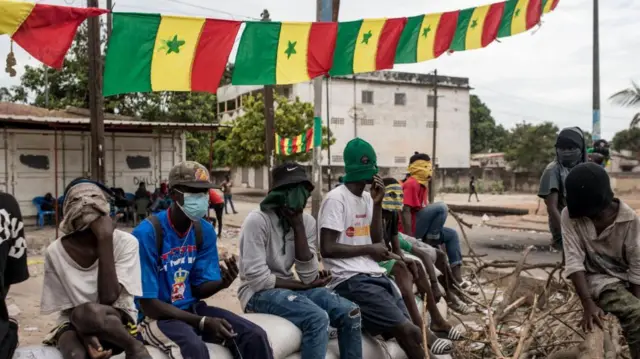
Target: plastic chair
[(38, 201)]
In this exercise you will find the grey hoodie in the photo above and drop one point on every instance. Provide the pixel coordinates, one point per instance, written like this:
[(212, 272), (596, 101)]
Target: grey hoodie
[(262, 257)]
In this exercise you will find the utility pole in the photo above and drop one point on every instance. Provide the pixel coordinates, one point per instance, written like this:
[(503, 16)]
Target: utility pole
[(334, 17), (109, 19), (96, 101), (432, 187), (596, 72), (323, 13), (269, 128)]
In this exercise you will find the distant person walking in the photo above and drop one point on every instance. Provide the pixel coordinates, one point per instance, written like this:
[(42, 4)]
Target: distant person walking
[(472, 188), (226, 191)]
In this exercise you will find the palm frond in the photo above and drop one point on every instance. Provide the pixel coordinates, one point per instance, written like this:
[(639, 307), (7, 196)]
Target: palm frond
[(635, 122), (629, 97)]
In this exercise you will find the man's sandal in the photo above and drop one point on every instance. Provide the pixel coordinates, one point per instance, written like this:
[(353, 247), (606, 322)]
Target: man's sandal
[(460, 307), (441, 347), (455, 333)]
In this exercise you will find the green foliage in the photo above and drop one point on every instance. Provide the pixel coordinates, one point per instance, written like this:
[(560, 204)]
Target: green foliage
[(245, 143), (532, 147), (486, 136), (628, 139)]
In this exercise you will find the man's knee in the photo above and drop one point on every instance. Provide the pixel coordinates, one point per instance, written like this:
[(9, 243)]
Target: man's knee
[(88, 316), (349, 316), (194, 347)]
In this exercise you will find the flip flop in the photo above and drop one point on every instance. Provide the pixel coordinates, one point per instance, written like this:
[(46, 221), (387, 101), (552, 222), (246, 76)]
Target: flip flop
[(456, 333), (460, 307), (441, 347)]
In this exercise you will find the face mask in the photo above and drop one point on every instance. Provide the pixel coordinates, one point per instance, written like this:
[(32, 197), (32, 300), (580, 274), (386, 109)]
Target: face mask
[(569, 158), (195, 205)]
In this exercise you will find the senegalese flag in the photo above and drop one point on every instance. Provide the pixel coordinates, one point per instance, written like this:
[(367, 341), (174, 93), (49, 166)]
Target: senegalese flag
[(366, 45), (151, 52), (549, 5), (44, 31), (520, 16), (477, 27), (301, 143), (283, 53), (426, 37)]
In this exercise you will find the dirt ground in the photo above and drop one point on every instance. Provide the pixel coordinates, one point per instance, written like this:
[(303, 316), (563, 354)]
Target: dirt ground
[(24, 298)]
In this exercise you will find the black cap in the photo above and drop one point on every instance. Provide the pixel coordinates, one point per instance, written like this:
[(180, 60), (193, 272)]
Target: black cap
[(588, 190), (419, 156), (289, 173)]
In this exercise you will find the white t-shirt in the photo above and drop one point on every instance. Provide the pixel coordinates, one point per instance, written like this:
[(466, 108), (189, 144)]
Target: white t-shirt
[(67, 284), (350, 215)]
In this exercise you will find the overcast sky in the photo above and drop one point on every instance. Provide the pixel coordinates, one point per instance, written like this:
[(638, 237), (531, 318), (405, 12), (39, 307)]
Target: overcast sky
[(542, 75)]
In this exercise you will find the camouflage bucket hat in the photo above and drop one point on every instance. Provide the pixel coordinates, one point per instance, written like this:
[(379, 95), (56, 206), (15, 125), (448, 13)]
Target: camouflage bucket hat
[(190, 174)]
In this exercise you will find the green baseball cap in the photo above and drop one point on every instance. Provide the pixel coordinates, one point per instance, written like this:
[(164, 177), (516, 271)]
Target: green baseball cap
[(190, 174), (360, 161)]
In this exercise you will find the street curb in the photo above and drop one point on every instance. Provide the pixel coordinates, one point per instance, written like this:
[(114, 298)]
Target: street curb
[(500, 226)]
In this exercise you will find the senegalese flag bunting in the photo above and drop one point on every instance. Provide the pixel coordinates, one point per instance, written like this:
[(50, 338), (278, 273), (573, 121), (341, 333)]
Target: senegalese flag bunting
[(477, 27), (549, 5), (520, 16), (44, 31), (150, 52), (366, 45), (426, 37), (284, 53), (302, 143)]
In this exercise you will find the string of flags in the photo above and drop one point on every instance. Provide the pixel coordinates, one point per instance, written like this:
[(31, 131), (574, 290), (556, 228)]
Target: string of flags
[(287, 146), (152, 52)]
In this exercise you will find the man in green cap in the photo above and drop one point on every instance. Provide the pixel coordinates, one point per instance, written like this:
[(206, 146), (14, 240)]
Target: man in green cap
[(351, 244)]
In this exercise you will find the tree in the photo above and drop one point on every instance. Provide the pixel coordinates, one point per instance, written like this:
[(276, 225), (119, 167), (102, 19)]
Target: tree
[(486, 136), (532, 146), (629, 97), (628, 139), (246, 140)]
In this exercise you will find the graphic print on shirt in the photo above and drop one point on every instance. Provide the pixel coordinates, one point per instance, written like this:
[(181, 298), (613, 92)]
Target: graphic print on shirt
[(178, 288), (359, 229), (10, 228), (178, 256)]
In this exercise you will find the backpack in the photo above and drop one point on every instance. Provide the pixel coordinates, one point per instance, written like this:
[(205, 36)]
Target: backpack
[(157, 227)]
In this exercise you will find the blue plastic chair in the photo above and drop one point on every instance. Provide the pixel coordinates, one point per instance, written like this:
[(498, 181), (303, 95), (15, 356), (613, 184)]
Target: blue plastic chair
[(38, 201)]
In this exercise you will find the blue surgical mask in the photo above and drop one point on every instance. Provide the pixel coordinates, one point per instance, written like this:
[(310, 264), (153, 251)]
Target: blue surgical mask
[(195, 205)]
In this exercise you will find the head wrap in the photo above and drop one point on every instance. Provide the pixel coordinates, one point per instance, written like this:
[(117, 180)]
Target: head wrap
[(588, 190), (83, 203), (421, 170), (360, 161), (393, 198)]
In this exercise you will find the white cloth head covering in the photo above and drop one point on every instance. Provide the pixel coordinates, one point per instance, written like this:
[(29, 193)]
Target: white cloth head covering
[(83, 204)]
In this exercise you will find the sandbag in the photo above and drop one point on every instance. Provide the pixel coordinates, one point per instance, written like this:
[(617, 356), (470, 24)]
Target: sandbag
[(284, 336)]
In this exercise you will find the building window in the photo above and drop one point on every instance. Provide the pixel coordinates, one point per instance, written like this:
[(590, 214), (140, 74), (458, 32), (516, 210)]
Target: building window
[(430, 124), (337, 121), (221, 107), (336, 159), (400, 159), (366, 122), (431, 101), (399, 123), (231, 105), (400, 99), (367, 97)]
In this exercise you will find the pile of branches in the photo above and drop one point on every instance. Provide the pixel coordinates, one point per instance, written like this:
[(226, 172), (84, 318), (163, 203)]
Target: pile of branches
[(530, 321)]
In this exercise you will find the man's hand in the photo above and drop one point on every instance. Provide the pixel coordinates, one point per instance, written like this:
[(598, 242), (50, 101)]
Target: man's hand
[(380, 252), (218, 328), (592, 315), (377, 190), (293, 217), (230, 273), (411, 264), (94, 349), (324, 277), (103, 228)]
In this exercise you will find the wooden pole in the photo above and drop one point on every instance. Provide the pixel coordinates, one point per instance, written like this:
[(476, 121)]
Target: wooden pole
[(269, 116), (96, 101)]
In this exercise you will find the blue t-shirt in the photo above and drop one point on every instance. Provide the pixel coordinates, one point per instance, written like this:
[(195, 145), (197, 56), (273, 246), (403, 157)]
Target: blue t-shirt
[(182, 265)]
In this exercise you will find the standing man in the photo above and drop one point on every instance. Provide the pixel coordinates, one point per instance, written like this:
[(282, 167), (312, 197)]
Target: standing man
[(472, 189), (570, 151), (180, 270), (228, 197), (217, 204), (91, 276), (351, 242), (275, 238), (13, 267), (602, 251)]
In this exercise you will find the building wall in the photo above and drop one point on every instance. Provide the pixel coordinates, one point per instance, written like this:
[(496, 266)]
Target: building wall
[(38, 162)]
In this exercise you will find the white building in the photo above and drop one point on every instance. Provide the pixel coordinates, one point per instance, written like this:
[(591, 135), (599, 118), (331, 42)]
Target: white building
[(392, 110)]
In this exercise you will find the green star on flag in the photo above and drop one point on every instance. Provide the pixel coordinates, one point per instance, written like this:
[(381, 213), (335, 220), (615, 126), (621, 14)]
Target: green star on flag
[(365, 37), (517, 13), (173, 45), (474, 24), (291, 49), (426, 31)]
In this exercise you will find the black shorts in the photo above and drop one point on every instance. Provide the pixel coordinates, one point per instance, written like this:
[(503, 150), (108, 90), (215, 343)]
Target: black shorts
[(381, 304)]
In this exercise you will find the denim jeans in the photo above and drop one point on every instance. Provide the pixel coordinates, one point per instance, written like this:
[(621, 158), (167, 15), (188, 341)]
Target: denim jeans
[(430, 229), (313, 311)]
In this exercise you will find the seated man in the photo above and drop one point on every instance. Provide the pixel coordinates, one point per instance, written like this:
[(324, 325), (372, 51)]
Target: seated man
[(406, 272), (48, 204), (602, 251), (91, 275), (160, 199), (351, 241), (180, 269), (272, 240), (142, 192)]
